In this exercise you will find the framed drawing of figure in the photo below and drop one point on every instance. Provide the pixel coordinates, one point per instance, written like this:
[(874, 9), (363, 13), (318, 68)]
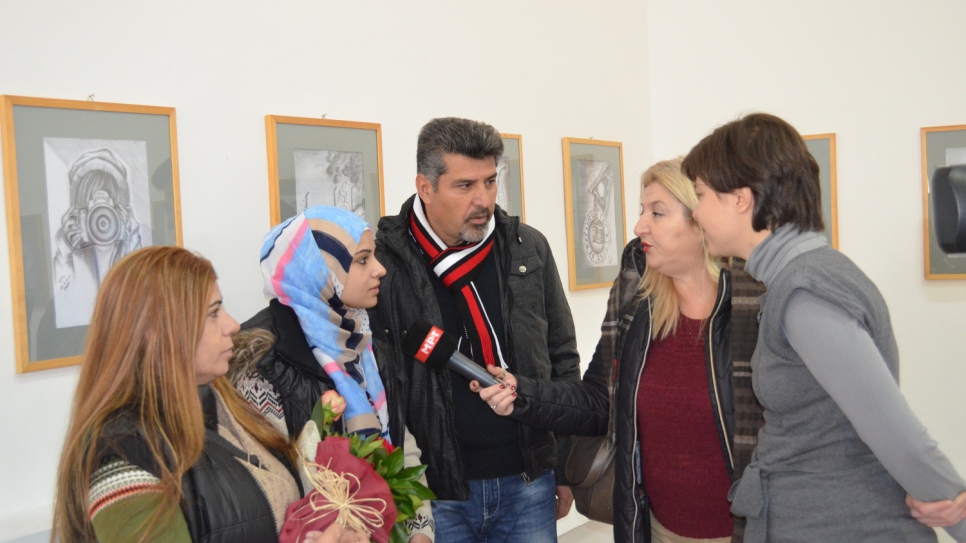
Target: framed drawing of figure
[(86, 183), (822, 147), (944, 201), (324, 162), (509, 177), (594, 203)]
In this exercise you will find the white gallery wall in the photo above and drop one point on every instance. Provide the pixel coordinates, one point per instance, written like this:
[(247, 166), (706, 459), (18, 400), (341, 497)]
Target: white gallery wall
[(544, 70), (874, 74), (655, 75)]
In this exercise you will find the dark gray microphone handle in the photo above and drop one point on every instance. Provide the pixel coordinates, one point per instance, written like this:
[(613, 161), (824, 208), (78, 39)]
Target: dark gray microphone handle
[(471, 370)]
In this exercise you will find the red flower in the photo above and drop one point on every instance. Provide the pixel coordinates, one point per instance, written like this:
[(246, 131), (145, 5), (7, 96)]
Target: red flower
[(387, 446)]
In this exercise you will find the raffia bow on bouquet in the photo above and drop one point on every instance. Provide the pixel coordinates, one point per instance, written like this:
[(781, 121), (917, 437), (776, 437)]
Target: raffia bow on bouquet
[(359, 483), (347, 491)]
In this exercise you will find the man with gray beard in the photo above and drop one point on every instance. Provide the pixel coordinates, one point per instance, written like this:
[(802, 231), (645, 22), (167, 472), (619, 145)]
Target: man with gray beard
[(455, 259)]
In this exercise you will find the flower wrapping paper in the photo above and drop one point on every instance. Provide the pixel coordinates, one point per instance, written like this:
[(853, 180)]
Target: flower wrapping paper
[(315, 512)]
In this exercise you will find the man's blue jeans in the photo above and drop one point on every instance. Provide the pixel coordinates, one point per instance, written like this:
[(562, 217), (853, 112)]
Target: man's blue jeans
[(500, 510)]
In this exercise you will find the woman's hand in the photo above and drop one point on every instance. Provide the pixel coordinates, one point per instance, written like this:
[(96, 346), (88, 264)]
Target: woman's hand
[(419, 538), (938, 514), (499, 397), (335, 534)]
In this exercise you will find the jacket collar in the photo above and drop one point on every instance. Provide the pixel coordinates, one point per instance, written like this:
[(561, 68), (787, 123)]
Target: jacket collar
[(209, 406), (394, 229), (290, 343)]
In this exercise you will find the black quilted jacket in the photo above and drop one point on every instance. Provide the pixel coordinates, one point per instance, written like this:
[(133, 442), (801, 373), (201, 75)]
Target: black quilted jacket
[(539, 331), (222, 501), (586, 409)]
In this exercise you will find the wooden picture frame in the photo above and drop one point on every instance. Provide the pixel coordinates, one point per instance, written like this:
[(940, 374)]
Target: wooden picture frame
[(509, 177), (86, 183), (822, 147), (941, 146), (322, 161), (594, 204)]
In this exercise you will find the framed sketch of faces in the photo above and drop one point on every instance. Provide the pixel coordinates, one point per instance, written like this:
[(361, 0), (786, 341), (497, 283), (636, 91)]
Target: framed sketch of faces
[(86, 183), (594, 203), (324, 162)]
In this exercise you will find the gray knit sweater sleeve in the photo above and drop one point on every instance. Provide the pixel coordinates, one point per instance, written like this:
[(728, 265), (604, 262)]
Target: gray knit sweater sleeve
[(849, 367)]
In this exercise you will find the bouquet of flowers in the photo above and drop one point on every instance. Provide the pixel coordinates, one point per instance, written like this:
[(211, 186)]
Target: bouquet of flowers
[(359, 482)]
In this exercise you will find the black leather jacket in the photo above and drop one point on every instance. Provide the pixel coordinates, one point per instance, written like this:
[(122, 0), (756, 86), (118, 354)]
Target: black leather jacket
[(539, 331), (222, 501), (586, 409)]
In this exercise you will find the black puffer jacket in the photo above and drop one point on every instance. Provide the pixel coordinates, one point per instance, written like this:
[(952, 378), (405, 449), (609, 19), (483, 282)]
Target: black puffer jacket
[(586, 409), (222, 501), (288, 363), (539, 331)]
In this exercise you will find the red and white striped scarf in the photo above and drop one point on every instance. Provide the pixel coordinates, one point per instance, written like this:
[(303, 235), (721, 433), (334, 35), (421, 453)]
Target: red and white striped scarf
[(457, 267)]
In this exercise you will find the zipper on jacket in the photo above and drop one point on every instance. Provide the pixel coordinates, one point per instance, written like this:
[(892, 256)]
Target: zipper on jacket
[(714, 378), (637, 391)]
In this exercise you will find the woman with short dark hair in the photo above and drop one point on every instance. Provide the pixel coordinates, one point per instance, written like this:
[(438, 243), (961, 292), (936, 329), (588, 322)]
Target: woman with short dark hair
[(840, 447)]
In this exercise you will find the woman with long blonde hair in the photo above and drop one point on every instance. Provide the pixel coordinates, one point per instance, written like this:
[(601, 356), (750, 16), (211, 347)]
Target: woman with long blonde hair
[(666, 380), (160, 447)]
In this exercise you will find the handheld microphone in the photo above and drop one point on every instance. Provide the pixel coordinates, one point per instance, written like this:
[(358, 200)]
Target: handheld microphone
[(437, 349)]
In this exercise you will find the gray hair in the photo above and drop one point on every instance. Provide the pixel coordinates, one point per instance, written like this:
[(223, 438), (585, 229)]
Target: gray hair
[(452, 135)]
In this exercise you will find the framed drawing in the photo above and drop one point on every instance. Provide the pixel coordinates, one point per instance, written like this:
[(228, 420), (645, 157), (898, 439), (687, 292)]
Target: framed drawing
[(943, 147), (86, 183), (322, 162), (594, 203), (509, 176), (822, 147)]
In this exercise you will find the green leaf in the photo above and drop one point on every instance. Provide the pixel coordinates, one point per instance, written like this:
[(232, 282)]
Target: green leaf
[(399, 533), (422, 492), (368, 448), (318, 415), (378, 456), (395, 461), (406, 507), (411, 474), (398, 487)]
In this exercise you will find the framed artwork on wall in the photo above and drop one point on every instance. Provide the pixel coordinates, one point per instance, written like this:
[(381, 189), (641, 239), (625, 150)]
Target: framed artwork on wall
[(822, 147), (324, 162), (86, 183), (509, 177), (594, 203), (943, 200)]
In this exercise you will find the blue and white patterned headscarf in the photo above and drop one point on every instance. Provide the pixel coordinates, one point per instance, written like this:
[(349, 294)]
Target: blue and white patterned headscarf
[(305, 261)]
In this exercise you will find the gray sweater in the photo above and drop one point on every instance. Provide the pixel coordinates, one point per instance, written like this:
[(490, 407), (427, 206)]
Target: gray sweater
[(840, 447)]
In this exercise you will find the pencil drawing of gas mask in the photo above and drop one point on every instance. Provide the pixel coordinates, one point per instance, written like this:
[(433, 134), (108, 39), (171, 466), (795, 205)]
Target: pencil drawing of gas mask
[(99, 228), (597, 238)]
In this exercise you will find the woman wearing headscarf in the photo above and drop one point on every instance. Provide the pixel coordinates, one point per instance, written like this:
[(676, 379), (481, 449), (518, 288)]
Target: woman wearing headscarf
[(320, 275)]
